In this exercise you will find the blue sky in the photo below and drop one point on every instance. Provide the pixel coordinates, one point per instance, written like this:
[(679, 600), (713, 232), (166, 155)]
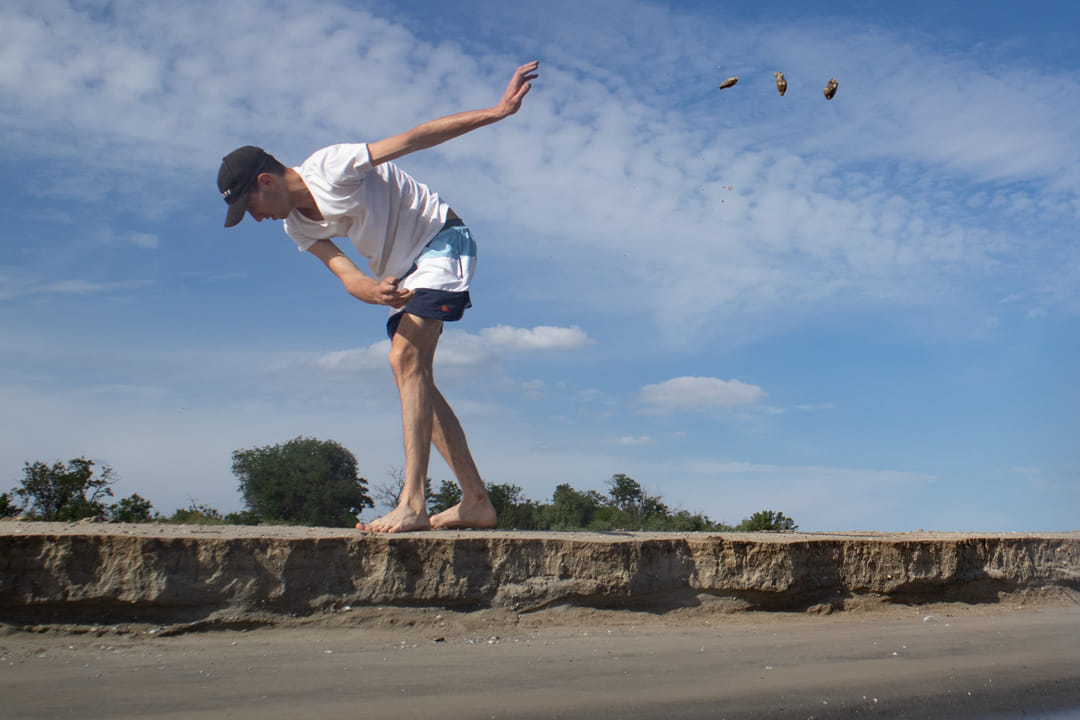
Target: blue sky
[(862, 313)]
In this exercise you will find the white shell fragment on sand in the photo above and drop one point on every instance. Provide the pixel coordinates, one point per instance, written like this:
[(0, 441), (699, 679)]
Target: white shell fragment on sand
[(729, 82), (830, 88), (781, 83)]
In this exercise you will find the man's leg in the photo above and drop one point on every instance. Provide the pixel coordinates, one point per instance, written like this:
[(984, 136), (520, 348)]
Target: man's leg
[(475, 509), (412, 355)]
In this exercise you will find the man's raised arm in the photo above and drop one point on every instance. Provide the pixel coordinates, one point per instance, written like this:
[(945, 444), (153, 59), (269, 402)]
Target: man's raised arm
[(446, 128)]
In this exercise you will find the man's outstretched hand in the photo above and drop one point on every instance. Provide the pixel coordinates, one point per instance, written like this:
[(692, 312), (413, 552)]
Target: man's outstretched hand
[(519, 86), (387, 292)]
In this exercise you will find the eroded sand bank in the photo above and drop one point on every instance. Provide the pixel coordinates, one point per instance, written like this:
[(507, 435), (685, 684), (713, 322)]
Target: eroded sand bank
[(80, 573)]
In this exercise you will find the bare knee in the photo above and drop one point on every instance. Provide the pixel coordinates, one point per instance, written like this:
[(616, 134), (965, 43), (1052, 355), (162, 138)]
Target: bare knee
[(412, 350), (407, 364)]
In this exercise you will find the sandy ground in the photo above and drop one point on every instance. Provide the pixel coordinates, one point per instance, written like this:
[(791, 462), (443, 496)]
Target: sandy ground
[(941, 661)]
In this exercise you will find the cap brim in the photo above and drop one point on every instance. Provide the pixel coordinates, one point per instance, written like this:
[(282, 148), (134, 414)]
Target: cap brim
[(236, 211)]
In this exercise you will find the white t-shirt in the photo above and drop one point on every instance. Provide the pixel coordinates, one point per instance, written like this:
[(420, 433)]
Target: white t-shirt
[(389, 216)]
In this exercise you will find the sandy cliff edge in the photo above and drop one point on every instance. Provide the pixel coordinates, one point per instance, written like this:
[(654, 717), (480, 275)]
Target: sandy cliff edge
[(105, 573)]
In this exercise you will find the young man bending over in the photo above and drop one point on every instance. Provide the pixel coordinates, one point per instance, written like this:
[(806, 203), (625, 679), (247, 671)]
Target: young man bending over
[(421, 257)]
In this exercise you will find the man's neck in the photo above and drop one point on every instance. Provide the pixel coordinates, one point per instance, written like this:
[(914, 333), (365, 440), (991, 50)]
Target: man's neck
[(300, 197)]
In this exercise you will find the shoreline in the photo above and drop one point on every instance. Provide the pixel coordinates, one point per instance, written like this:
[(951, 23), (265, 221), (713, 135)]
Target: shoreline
[(980, 662)]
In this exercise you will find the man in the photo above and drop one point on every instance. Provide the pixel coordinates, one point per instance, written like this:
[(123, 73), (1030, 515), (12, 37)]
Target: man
[(421, 258)]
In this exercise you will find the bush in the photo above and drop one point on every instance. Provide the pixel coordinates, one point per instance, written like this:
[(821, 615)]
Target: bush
[(197, 515), (134, 509), (305, 481), (765, 520)]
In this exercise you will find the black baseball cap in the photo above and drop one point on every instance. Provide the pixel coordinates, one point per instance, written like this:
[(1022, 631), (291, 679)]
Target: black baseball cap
[(237, 177)]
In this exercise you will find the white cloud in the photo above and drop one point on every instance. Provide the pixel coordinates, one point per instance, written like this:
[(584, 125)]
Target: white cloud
[(537, 338), (698, 393), (461, 349), (372, 357)]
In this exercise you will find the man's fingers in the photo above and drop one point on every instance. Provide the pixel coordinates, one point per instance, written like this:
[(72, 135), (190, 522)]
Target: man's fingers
[(527, 72), (400, 298)]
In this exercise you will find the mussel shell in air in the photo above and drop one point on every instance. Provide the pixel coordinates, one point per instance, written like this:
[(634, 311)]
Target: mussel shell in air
[(781, 82), (830, 88)]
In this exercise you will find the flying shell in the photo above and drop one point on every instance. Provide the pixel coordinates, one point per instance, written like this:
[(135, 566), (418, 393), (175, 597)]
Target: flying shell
[(830, 88), (781, 82), (729, 82)]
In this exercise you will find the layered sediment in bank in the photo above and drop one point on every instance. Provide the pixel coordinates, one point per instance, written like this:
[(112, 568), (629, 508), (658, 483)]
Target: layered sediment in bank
[(93, 573)]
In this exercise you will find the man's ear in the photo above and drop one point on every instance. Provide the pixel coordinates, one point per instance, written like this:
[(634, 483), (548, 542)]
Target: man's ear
[(265, 180)]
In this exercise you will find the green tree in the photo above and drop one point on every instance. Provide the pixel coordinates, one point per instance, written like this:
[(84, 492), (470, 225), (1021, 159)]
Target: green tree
[(8, 508), (631, 500), (571, 509), (625, 492), (306, 481), (65, 492), (134, 509), (513, 510), (448, 496), (766, 520)]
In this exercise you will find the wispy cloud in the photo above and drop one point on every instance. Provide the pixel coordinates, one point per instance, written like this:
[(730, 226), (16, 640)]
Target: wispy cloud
[(797, 473), (630, 440), (14, 285), (829, 200), (814, 407)]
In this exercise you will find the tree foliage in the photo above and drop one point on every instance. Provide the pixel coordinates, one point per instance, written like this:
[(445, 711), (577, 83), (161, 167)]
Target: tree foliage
[(8, 507), (199, 514), (571, 509), (448, 496), (512, 509), (133, 509), (766, 520), (626, 506), (60, 491), (312, 482), (304, 481)]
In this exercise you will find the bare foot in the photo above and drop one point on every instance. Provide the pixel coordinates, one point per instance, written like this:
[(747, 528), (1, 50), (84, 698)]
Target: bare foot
[(400, 519), (466, 515)]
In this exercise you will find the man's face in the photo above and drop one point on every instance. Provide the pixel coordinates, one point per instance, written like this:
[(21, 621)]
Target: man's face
[(268, 199)]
